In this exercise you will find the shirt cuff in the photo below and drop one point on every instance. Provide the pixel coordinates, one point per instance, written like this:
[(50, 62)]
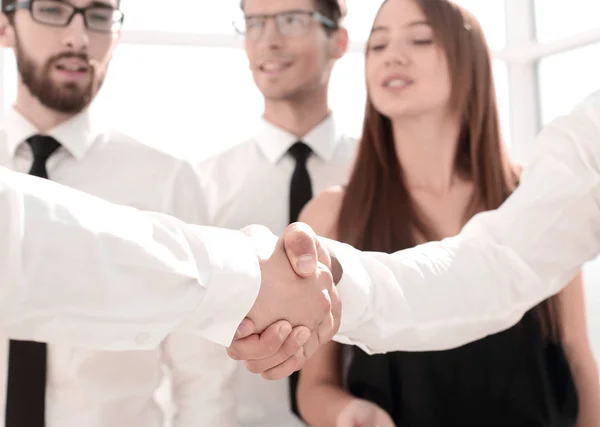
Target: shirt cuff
[(232, 287), (354, 289)]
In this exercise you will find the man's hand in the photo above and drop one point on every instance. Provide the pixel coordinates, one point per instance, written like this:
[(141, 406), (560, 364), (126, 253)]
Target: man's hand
[(310, 305), (284, 295)]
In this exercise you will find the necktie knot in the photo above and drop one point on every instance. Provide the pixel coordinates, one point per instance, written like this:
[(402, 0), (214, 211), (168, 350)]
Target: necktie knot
[(300, 152), (43, 147)]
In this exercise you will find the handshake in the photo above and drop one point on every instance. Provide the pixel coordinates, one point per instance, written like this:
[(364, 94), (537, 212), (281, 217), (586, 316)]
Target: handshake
[(297, 308)]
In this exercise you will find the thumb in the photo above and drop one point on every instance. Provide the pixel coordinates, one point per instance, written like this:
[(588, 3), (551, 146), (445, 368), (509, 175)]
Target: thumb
[(300, 243)]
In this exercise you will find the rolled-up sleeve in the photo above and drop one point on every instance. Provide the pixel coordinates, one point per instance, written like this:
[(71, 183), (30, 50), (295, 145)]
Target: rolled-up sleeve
[(445, 294)]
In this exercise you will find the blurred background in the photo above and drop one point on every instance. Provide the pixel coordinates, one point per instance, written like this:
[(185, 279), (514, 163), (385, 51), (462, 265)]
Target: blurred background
[(184, 71)]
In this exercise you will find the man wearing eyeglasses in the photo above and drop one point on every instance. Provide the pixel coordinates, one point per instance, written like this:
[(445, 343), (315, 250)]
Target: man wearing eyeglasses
[(297, 150), (63, 49)]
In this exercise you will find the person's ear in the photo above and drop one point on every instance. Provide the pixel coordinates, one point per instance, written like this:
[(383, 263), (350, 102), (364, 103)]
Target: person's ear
[(7, 32), (341, 42)]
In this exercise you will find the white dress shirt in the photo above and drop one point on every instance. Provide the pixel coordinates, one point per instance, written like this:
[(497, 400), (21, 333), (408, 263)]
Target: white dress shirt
[(444, 294), (250, 184), (145, 273), (86, 387)]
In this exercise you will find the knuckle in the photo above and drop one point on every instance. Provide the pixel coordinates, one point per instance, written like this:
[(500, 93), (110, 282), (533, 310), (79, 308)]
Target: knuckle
[(271, 347), (325, 332), (276, 373), (290, 348), (311, 347), (293, 361), (325, 302), (326, 277)]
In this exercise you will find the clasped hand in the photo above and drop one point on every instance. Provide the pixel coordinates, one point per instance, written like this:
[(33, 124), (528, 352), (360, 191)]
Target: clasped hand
[(297, 308)]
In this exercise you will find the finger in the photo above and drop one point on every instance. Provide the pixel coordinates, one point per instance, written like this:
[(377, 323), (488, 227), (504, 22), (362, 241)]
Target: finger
[(261, 346), (323, 255), (325, 331), (330, 322), (299, 336), (312, 345), (299, 241), (336, 310), (245, 329), (287, 368)]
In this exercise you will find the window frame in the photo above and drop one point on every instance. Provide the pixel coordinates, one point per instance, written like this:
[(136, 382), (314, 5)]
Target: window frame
[(521, 55)]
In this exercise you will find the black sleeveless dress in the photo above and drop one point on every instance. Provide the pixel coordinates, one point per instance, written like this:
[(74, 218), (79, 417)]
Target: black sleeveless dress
[(513, 378)]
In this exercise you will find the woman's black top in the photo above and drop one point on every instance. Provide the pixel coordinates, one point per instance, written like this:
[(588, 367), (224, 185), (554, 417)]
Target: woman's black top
[(513, 378)]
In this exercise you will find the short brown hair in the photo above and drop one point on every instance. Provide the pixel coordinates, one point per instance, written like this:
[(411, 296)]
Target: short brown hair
[(6, 3), (332, 9)]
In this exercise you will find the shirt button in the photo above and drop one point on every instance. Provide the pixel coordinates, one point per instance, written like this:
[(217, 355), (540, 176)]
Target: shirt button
[(142, 338)]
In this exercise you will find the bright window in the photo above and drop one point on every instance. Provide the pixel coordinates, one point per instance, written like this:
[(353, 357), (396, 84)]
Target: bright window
[(555, 19), (183, 93), (187, 16), (177, 97), (567, 78)]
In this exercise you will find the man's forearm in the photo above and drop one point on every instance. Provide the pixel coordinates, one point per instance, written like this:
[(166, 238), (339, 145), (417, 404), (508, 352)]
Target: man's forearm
[(446, 294), (80, 271)]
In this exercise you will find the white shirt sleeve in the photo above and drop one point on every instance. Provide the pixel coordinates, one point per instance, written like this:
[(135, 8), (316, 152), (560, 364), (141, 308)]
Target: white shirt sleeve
[(445, 294), (80, 271)]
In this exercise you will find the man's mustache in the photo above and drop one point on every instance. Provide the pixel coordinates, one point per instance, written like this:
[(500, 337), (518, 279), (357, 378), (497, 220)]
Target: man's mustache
[(69, 55)]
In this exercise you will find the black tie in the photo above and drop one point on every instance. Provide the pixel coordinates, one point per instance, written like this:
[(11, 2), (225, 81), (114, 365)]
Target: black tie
[(26, 384), (300, 195), (300, 186)]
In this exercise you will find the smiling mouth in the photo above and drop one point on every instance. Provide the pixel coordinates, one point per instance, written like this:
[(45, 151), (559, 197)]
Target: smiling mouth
[(274, 66), (397, 83), (73, 67)]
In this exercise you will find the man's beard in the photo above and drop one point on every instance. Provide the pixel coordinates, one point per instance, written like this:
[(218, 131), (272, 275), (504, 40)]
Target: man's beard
[(67, 98)]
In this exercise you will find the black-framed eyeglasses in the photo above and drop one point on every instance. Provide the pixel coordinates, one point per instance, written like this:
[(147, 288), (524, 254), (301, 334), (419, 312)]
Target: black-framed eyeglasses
[(58, 13), (292, 23)]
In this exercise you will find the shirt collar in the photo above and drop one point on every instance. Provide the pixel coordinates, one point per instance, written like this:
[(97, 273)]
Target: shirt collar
[(275, 142), (77, 135)]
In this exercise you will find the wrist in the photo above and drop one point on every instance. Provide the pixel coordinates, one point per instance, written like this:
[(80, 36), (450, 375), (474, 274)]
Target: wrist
[(262, 239)]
